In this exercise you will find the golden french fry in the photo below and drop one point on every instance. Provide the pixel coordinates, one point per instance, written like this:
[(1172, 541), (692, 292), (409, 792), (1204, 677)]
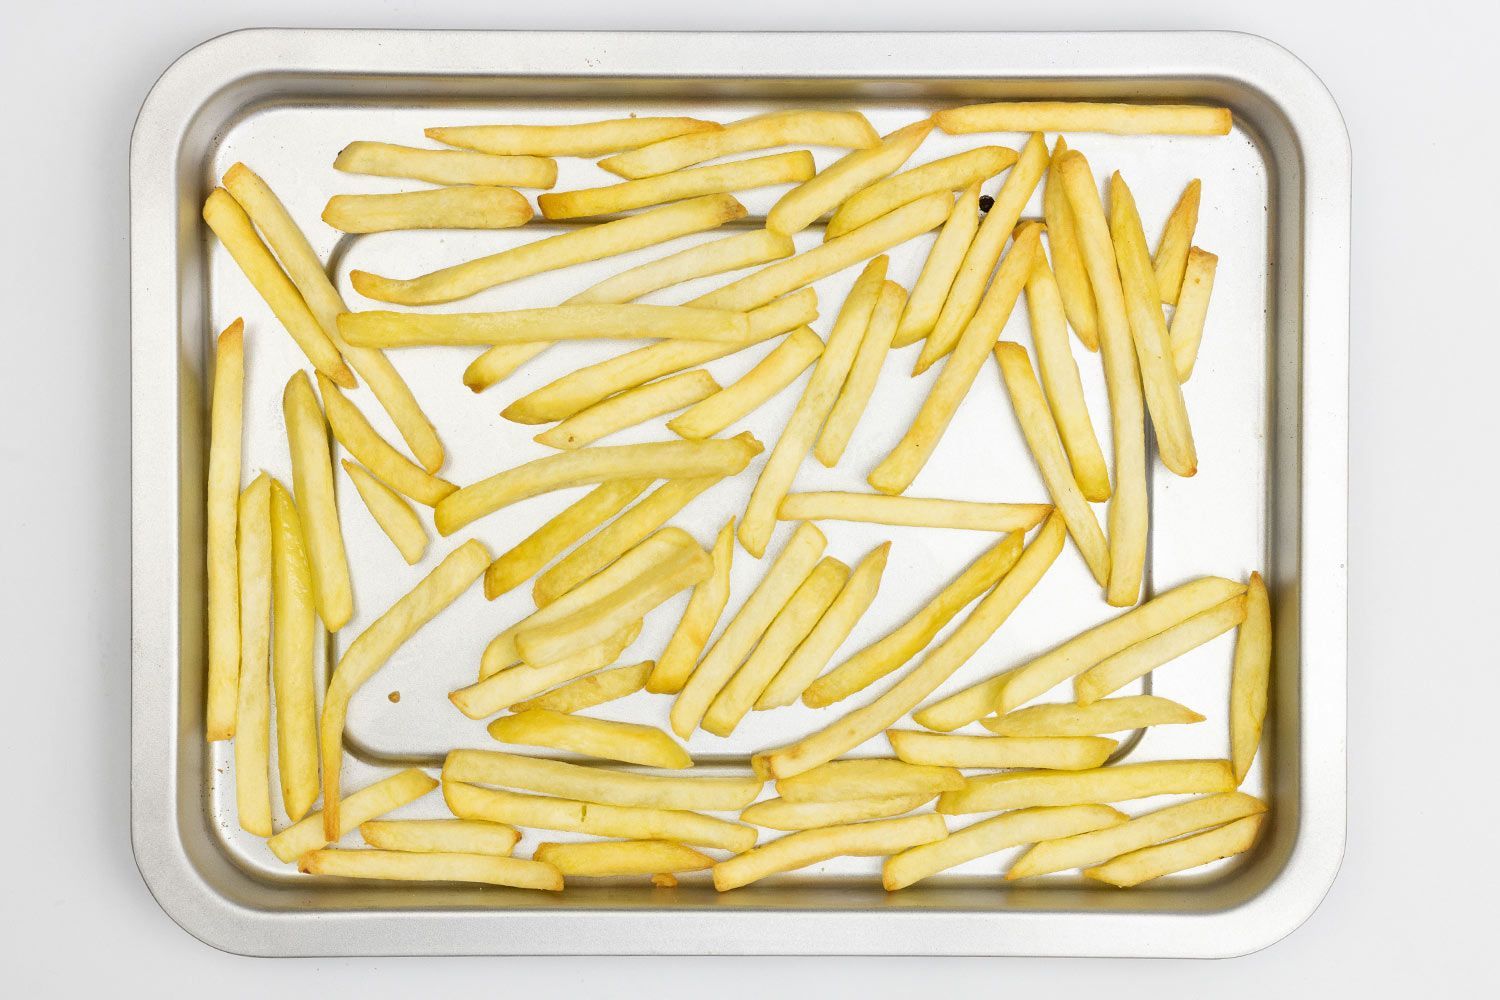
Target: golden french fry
[(918, 512), (622, 857), (226, 429), (830, 632), (586, 692), (502, 688), (1060, 852), (838, 780), (312, 484), (895, 473), (791, 625), (1076, 753), (441, 836), (1116, 783), (1085, 116), (939, 269), (1114, 672), (607, 239), (624, 741), (599, 784), (1250, 682), (292, 662), (630, 321), (354, 432), (582, 139), (446, 166), (736, 175), (779, 814), (394, 515), (782, 579), (1067, 259), (991, 612), (1012, 829), (1170, 260), (885, 655), (518, 564), (680, 657), (1179, 855), (798, 850), (951, 173), (465, 207), (432, 867), (375, 645), (775, 372), (859, 386), (1192, 308), (664, 880), (847, 129), (252, 716), (369, 802), (1110, 715), (812, 409), (962, 707), (631, 407), (805, 204)]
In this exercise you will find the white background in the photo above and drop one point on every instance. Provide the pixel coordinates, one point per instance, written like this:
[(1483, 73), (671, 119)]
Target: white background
[(1412, 907)]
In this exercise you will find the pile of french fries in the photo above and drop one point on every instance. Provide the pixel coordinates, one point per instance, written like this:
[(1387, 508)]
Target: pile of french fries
[(1043, 777)]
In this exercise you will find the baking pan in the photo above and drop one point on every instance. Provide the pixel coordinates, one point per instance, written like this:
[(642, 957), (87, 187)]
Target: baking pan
[(1268, 401)]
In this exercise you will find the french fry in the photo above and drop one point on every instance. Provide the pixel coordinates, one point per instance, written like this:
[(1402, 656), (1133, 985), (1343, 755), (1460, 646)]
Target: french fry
[(252, 717), (622, 857), (596, 819), (736, 175), (598, 784), (916, 512), (1179, 855), (806, 203), (962, 707), (847, 129), (607, 239), (624, 741), (863, 374), (775, 372), (951, 173), (1170, 259), (798, 850), (354, 432), (782, 579), (374, 800), (1186, 332), (441, 836), (680, 657), (503, 688), (1110, 715), (379, 328), (433, 867), (865, 723), (1116, 783), (1085, 116), (1114, 672), (885, 655), (582, 139), (1060, 852), (394, 515), (1067, 259), (587, 692), (791, 625), (939, 269), (586, 466), (464, 207), (518, 564), (312, 484), (226, 429), (292, 662), (374, 646), (446, 166), (1046, 447), (1075, 753), (830, 632), (1250, 681), (629, 408), (895, 473), (779, 814), (988, 836), (812, 409), (838, 780)]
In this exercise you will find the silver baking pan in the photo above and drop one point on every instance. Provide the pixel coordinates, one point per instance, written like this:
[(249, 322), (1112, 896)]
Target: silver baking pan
[(1268, 402)]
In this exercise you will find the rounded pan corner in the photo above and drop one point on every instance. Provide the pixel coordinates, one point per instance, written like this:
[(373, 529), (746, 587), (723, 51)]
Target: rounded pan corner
[(1288, 903)]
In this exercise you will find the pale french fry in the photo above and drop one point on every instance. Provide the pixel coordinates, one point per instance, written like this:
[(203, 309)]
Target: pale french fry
[(292, 662), (622, 857), (830, 632), (607, 239), (1148, 328), (1129, 514), (838, 780), (968, 290), (939, 269), (432, 867), (885, 655), (598, 784), (1085, 116), (1111, 715), (445, 166), (353, 431), (1192, 308), (775, 372), (465, 207), (1055, 753), (596, 819), (517, 565), (441, 836), (782, 579), (1116, 783), (394, 515), (374, 646), (252, 716), (596, 689), (664, 880), (624, 741), (226, 429), (1250, 682), (895, 473), (369, 802), (951, 173), (962, 707), (779, 814), (1067, 259), (847, 129), (1084, 849), (582, 139), (798, 850), (586, 466), (312, 484), (502, 688), (807, 418), (629, 408), (791, 625), (379, 328), (736, 175), (805, 204), (1179, 855), (680, 657), (916, 512), (988, 836), (1046, 447), (1170, 259), (1114, 672), (867, 722), (863, 374)]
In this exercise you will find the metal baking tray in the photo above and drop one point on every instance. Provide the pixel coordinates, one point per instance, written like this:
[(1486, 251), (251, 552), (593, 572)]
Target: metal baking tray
[(1268, 403)]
